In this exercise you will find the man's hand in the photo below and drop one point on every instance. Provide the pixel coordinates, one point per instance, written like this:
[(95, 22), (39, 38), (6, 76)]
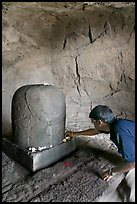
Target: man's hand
[(122, 168), (106, 176), (69, 134)]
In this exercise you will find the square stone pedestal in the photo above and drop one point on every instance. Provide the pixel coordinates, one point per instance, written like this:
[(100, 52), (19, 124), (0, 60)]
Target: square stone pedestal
[(37, 160)]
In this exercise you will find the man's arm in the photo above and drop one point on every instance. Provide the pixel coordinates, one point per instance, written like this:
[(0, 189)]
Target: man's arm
[(88, 132), (125, 167)]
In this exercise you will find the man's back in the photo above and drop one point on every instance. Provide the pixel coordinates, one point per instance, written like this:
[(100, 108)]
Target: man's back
[(122, 133)]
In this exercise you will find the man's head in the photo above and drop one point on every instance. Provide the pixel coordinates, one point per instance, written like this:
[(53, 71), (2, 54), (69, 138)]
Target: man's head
[(101, 116)]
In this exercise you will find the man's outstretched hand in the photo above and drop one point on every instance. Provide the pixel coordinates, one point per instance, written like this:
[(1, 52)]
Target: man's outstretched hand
[(106, 176), (69, 134)]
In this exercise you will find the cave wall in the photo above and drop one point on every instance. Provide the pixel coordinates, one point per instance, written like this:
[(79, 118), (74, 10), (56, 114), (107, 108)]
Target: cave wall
[(87, 50)]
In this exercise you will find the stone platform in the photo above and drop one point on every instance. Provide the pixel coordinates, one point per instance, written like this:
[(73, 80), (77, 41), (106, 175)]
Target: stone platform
[(74, 178), (37, 160)]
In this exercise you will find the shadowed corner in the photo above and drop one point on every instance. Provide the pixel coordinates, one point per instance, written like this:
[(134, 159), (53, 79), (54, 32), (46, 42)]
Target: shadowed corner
[(8, 136), (109, 155)]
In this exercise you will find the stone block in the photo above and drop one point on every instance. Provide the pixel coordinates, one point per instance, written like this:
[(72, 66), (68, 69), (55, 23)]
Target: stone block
[(37, 160)]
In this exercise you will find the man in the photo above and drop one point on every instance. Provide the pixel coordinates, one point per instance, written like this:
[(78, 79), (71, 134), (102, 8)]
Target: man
[(122, 133)]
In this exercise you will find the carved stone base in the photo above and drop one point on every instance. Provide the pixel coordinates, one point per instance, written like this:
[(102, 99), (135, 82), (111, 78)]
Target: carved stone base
[(37, 160)]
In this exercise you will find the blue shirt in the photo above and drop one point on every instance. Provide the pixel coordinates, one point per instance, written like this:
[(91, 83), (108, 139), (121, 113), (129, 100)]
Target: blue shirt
[(122, 133)]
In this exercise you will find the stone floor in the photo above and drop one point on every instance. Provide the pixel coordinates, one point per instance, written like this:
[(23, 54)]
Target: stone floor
[(72, 179)]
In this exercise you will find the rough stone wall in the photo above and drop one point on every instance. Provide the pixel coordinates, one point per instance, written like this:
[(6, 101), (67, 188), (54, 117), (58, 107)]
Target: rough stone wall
[(86, 50)]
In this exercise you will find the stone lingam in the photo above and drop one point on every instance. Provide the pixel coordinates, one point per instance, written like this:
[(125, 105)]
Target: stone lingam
[(38, 126)]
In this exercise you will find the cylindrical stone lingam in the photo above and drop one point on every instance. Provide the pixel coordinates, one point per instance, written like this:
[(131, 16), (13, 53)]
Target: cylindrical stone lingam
[(38, 116)]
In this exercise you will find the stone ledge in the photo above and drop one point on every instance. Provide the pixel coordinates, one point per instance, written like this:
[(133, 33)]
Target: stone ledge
[(37, 160)]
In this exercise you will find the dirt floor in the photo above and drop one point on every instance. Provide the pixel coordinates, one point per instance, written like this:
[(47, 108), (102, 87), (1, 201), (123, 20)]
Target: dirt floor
[(74, 178)]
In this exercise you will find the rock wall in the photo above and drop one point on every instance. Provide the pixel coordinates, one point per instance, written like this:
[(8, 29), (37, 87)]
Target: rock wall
[(85, 49)]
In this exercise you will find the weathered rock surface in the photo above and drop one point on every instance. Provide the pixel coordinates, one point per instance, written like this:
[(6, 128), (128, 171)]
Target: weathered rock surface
[(85, 49)]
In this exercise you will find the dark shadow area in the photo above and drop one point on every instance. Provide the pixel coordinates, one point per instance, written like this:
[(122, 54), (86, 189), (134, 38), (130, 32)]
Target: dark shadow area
[(109, 155), (8, 136), (124, 191)]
